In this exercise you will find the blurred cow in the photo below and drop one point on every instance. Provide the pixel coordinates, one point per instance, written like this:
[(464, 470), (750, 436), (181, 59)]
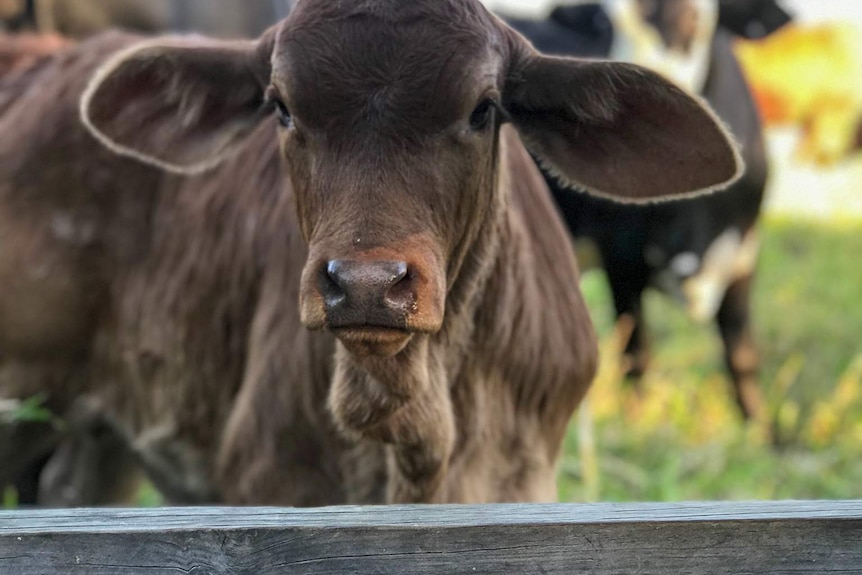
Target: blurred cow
[(703, 251), (81, 18), (93, 467)]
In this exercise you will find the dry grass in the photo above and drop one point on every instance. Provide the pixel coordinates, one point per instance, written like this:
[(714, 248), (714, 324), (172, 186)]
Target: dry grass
[(684, 440)]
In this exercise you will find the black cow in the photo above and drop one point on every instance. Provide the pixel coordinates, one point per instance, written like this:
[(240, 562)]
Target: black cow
[(702, 251), (752, 19)]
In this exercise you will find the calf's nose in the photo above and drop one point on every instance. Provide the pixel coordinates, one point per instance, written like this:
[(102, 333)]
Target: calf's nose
[(378, 294)]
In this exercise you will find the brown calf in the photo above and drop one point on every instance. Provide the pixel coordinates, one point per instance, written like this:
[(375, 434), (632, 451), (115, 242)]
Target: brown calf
[(167, 256)]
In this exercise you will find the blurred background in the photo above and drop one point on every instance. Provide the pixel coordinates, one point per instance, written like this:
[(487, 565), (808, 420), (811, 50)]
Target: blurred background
[(681, 436)]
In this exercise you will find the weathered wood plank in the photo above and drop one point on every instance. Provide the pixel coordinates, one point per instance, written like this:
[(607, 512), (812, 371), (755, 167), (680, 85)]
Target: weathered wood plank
[(690, 538)]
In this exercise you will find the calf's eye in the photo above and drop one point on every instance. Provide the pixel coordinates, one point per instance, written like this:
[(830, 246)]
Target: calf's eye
[(273, 98), (481, 117), (283, 114)]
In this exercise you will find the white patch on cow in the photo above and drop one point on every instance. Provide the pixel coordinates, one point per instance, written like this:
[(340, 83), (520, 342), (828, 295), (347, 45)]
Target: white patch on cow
[(637, 41), (66, 228), (730, 257), (685, 264)]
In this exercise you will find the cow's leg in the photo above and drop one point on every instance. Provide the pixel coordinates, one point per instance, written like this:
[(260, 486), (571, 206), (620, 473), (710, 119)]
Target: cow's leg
[(627, 286), (24, 448), (83, 471), (68, 464), (26, 484), (27, 438), (740, 351), (92, 467)]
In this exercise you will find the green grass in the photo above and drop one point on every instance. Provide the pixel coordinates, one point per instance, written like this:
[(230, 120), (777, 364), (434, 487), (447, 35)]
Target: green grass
[(684, 440)]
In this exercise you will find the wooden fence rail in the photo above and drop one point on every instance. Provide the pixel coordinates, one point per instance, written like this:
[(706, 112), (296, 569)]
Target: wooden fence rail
[(662, 539)]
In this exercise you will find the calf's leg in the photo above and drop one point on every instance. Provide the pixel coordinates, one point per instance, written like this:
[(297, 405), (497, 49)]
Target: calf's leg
[(627, 286), (740, 351), (93, 467), (24, 448)]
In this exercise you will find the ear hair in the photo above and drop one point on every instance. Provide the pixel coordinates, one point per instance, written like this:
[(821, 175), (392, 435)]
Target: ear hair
[(571, 184), (619, 130), (155, 48)]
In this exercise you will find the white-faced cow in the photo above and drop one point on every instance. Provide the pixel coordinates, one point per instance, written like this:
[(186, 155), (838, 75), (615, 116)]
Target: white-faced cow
[(322, 267), (702, 251)]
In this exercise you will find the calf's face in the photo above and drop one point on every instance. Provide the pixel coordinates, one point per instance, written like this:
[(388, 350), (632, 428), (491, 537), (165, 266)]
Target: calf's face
[(392, 148), (388, 114)]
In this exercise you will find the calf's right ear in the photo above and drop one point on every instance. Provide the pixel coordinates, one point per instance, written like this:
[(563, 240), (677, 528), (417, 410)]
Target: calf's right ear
[(180, 104)]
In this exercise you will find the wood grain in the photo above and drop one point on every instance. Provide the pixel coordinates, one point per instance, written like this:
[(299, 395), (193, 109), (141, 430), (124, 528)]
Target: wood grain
[(661, 539)]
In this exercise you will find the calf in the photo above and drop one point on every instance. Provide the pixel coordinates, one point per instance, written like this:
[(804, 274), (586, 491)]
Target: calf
[(321, 267), (702, 251)]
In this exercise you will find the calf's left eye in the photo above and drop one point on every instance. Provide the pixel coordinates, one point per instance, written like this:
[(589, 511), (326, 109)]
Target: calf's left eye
[(283, 114)]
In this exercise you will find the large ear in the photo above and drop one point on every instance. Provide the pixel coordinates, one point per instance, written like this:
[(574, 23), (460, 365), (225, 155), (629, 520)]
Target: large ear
[(181, 104), (618, 130)]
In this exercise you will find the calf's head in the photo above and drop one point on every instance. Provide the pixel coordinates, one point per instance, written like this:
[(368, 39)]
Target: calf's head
[(389, 116)]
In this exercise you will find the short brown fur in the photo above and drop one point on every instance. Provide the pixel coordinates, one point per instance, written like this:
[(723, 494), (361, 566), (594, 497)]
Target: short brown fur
[(172, 300)]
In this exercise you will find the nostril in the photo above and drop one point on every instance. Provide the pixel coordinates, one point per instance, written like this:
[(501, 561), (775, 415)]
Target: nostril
[(333, 272), (333, 287), (363, 285), (401, 290), (398, 273)]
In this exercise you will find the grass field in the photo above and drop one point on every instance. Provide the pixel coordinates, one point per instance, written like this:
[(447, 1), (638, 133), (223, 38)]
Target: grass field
[(684, 440)]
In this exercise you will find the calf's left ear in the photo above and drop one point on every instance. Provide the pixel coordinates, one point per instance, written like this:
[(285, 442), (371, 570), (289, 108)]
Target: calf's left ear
[(180, 104), (618, 130)]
